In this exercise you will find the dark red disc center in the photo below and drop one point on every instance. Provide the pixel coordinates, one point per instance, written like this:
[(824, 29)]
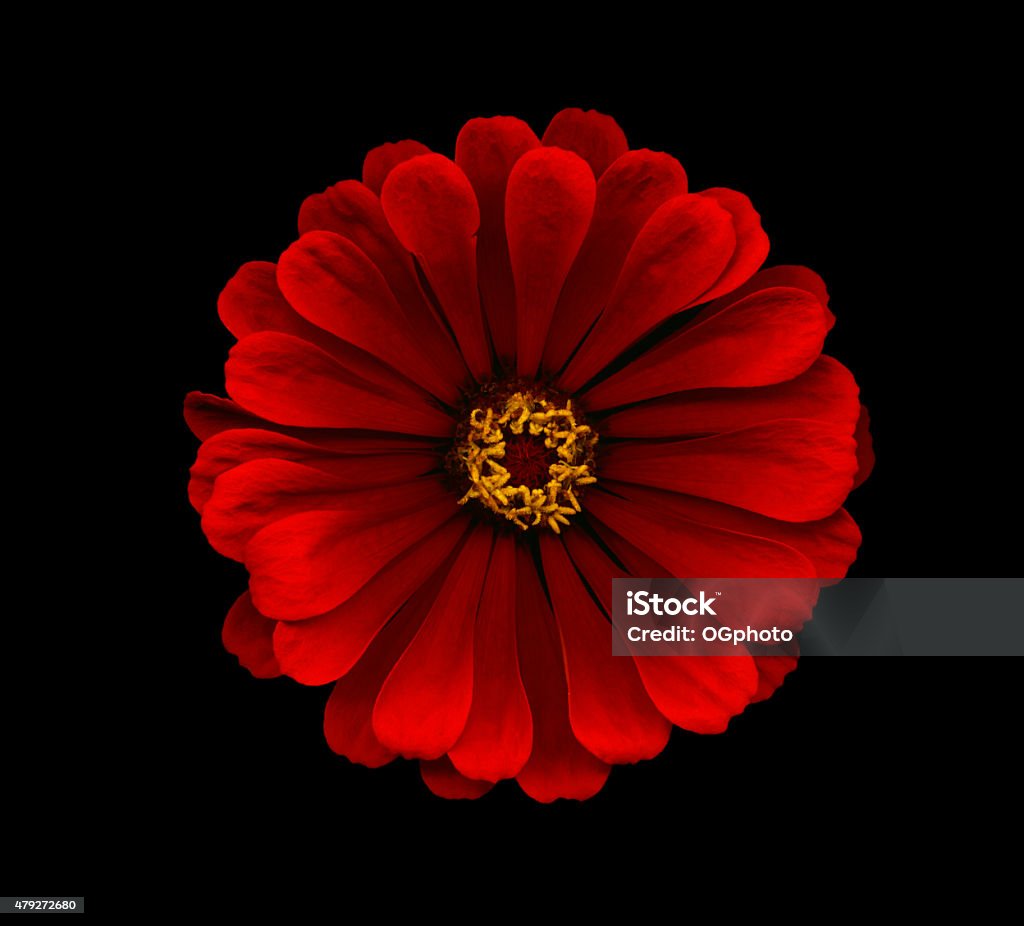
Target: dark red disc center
[(527, 461)]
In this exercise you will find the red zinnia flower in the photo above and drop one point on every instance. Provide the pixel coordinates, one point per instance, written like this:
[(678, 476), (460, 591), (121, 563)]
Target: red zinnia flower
[(438, 453)]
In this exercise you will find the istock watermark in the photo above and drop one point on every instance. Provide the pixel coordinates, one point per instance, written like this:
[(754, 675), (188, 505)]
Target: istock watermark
[(817, 617), (642, 603)]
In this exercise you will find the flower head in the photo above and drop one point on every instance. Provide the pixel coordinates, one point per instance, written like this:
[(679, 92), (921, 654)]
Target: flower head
[(472, 393)]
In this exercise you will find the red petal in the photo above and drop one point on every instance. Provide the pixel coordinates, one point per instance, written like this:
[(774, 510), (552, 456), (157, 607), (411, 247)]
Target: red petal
[(594, 136), (348, 719), (830, 544), (380, 161), (825, 392), (335, 285), (351, 210), (252, 495), (627, 195), (324, 648), (711, 549), (499, 732), (294, 383), (766, 338), (252, 302), (558, 766), (865, 447), (207, 415), (772, 671), (432, 208), (638, 564), (751, 241), (309, 563), (679, 253), (227, 449), (249, 635), (609, 710), (423, 705), (598, 571), (486, 150), (548, 206), (690, 550), (787, 275), (792, 469), (443, 780), (699, 693)]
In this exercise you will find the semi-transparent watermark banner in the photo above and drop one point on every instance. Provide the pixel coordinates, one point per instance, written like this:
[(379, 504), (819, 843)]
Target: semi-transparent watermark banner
[(814, 617)]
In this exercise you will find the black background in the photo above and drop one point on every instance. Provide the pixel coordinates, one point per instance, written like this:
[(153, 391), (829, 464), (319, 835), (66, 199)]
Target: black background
[(856, 181)]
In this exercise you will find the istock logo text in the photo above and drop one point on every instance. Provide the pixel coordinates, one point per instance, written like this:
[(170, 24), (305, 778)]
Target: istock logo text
[(642, 603)]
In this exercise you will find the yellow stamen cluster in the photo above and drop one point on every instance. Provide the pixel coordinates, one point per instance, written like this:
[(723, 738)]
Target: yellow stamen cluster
[(483, 448)]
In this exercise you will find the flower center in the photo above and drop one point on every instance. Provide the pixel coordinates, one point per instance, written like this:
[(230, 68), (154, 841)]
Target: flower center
[(525, 454)]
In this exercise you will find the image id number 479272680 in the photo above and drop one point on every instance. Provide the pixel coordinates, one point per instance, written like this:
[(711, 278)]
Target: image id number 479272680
[(42, 904)]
